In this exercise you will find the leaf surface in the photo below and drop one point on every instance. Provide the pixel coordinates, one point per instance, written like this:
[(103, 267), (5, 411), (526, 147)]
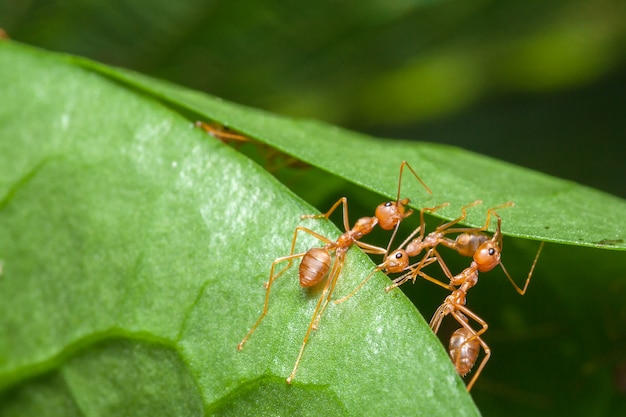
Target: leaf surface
[(134, 252), (546, 208)]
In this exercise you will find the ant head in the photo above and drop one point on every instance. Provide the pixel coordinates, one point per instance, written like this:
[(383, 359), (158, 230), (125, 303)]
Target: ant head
[(389, 214), (396, 261), (487, 256)]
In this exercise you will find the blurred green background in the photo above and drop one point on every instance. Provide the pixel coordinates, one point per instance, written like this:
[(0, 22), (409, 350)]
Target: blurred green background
[(540, 84)]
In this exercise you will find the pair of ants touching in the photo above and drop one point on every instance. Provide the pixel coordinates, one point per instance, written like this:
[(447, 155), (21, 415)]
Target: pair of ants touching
[(465, 342), (413, 255), (318, 264)]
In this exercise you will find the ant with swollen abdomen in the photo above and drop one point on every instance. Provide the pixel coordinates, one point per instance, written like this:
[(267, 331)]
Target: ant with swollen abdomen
[(317, 263)]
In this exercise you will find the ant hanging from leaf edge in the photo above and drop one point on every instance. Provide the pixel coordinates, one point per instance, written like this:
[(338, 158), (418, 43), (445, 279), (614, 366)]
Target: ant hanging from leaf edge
[(465, 342)]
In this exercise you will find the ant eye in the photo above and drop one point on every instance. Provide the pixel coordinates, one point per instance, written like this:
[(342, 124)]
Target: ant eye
[(399, 255), (388, 203), (492, 251)]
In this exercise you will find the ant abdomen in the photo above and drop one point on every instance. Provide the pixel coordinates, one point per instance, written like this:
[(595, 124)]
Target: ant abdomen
[(463, 351), (468, 243), (314, 266)]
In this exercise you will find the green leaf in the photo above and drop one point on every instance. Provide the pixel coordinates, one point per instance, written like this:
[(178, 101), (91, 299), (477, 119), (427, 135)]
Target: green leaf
[(134, 252), (320, 59), (546, 208), (536, 95)]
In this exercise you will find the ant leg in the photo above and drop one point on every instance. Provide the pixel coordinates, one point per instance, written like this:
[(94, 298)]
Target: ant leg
[(457, 309), (432, 210), (475, 336), (444, 267), (405, 201), (435, 281), (358, 287), (399, 281), (275, 275), (293, 244), (402, 165), (371, 249), (333, 276), (482, 363), (442, 311), (497, 236), (492, 212), (522, 291), (273, 278), (344, 202), (321, 304), (446, 226)]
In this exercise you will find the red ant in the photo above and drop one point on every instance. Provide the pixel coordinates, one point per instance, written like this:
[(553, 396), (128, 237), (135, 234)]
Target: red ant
[(221, 132), (466, 244), (317, 262), (398, 260), (465, 342), (274, 159)]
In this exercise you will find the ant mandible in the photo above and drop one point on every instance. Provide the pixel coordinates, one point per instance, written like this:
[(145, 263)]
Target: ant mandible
[(317, 263)]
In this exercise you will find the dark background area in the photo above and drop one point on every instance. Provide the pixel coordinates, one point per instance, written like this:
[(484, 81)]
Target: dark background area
[(539, 84)]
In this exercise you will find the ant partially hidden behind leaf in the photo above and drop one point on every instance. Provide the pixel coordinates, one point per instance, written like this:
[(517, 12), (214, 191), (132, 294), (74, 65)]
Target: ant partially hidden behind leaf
[(273, 158), (465, 342), (317, 263), (221, 132)]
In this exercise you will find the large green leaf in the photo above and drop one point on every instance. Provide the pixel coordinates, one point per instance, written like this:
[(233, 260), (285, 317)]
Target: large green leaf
[(556, 351), (547, 208), (134, 250)]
